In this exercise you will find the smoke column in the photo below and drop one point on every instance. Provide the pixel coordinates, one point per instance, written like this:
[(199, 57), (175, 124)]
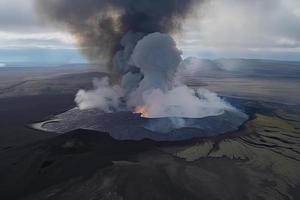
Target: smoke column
[(134, 36), (101, 25)]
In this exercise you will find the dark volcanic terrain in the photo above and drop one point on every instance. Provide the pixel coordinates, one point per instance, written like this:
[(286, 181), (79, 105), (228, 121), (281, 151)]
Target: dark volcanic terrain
[(260, 160)]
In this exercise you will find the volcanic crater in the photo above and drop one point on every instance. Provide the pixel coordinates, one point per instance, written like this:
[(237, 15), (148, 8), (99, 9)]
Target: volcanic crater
[(126, 125)]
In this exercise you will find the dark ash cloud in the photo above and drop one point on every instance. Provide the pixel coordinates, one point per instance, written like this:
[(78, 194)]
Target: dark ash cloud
[(99, 25)]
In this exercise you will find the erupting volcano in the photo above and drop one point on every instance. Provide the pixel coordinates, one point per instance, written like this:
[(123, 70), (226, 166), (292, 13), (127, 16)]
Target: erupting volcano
[(144, 61)]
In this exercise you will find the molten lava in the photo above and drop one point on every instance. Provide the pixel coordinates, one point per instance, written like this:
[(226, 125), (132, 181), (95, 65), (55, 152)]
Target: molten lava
[(142, 110)]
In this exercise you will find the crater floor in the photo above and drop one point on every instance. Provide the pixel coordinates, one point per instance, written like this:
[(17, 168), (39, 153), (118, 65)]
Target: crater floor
[(129, 126)]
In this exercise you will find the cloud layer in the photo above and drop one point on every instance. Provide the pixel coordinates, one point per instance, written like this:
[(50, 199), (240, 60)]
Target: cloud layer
[(255, 28), (220, 28)]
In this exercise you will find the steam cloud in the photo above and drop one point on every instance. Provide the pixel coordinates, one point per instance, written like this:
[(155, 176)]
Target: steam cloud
[(104, 96), (134, 36)]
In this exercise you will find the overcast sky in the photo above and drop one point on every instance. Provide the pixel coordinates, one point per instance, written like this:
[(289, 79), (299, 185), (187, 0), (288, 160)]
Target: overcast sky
[(219, 28)]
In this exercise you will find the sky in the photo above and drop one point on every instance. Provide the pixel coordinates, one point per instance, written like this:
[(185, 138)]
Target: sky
[(266, 29)]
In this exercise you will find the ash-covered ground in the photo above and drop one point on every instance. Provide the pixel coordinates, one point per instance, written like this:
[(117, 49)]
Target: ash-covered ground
[(259, 160)]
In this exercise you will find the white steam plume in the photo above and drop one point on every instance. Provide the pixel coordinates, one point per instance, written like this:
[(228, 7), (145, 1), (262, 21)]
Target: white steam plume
[(104, 96), (184, 102)]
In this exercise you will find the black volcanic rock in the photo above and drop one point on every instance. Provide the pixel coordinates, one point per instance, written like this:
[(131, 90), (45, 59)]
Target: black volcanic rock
[(79, 153)]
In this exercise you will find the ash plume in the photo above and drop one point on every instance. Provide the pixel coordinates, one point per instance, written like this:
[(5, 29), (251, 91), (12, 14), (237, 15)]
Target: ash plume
[(100, 25)]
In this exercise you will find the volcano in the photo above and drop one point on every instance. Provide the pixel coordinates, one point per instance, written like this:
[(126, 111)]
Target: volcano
[(143, 97)]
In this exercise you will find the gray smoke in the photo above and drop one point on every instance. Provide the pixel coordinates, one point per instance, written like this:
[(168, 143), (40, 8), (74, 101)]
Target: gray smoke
[(157, 58), (160, 92)]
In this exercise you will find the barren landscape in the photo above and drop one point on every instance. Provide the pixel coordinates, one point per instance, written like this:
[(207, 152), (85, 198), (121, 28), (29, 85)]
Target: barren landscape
[(260, 160)]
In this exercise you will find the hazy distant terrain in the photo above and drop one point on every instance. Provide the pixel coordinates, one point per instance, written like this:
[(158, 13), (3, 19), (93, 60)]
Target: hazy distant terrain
[(259, 79), (32, 80), (268, 80), (229, 68)]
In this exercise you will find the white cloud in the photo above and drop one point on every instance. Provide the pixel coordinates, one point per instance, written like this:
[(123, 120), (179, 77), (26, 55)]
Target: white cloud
[(21, 27), (36, 40), (223, 27), (19, 16)]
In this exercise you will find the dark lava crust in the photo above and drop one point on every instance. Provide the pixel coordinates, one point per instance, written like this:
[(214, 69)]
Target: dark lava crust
[(128, 126)]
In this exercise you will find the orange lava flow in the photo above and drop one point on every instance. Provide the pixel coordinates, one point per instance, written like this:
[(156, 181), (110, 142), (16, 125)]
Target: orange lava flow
[(142, 110)]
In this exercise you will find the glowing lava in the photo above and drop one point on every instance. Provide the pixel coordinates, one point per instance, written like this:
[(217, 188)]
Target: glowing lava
[(143, 111)]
